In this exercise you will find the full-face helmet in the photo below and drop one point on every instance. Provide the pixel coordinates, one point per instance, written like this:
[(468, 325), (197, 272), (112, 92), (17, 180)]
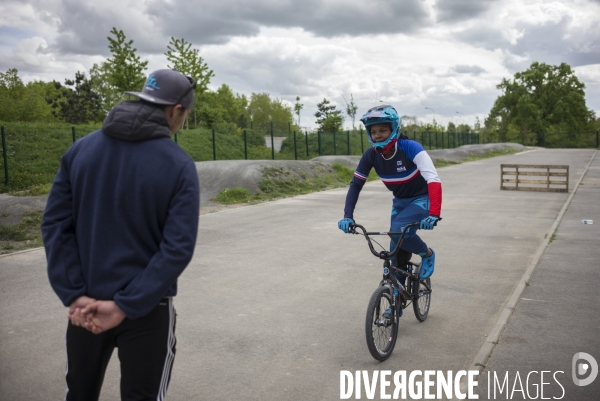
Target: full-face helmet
[(382, 114)]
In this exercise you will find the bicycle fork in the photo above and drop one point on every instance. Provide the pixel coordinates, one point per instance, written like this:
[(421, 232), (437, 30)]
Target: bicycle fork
[(398, 293)]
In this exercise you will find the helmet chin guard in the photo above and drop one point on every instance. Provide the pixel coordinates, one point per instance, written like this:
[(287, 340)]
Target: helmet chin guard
[(382, 114)]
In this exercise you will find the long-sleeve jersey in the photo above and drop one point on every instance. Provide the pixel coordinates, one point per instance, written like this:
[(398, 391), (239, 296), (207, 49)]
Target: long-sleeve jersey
[(122, 216), (408, 173)]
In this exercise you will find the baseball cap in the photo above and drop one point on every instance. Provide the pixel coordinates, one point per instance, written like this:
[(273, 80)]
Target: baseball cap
[(168, 87)]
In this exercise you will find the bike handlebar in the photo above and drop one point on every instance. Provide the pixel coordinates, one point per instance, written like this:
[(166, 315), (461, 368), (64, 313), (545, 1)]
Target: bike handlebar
[(382, 254)]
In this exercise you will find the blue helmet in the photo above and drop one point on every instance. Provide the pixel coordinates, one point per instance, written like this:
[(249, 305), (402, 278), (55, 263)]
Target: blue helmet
[(382, 114)]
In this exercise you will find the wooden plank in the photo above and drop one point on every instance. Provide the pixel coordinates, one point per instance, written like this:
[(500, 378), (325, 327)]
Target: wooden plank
[(541, 182), (547, 174), (536, 173), (535, 189), (536, 182), (551, 166)]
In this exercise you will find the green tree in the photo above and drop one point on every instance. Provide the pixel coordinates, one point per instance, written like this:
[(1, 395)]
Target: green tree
[(222, 107), (20, 102), (263, 110), (451, 128), (328, 118), (298, 108), (542, 98), (125, 68), (351, 109), (101, 82), (124, 71), (234, 106), (188, 61), (77, 102)]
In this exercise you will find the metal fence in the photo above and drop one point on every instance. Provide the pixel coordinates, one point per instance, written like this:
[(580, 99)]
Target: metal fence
[(589, 139), (31, 152)]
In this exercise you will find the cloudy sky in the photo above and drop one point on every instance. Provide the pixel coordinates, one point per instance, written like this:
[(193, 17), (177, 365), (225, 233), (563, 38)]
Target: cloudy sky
[(437, 59)]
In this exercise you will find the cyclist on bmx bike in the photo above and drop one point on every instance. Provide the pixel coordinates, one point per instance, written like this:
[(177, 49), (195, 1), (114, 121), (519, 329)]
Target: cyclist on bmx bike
[(408, 172)]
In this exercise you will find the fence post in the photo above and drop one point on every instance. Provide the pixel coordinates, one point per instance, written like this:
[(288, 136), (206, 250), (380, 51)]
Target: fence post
[(5, 156), (543, 139), (334, 144), (362, 145), (272, 143), (597, 144), (74, 134), (245, 146), (306, 137), (295, 149), (319, 138), (214, 145), (348, 141)]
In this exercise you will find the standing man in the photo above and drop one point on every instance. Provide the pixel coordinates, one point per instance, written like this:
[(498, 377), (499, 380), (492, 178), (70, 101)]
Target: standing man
[(119, 228)]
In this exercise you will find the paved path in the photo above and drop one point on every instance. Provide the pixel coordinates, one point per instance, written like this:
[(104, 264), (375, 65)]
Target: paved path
[(558, 314), (272, 306)]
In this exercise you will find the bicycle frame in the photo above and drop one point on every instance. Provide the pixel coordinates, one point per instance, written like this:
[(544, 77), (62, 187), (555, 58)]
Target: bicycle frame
[(399, 289)]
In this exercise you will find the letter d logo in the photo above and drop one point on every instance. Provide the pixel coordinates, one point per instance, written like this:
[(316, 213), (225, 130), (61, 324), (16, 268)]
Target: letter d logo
[(582, 368)]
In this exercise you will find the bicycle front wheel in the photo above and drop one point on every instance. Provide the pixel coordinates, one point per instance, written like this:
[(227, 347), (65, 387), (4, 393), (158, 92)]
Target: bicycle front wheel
[(422, 289), (380, 329)]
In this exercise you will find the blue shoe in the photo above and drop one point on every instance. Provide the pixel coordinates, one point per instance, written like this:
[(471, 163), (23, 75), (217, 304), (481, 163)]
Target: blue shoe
[(427, 266), (388, 314)]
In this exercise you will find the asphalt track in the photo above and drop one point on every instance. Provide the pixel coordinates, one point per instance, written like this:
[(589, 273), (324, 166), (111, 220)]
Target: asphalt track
[(272, 306)]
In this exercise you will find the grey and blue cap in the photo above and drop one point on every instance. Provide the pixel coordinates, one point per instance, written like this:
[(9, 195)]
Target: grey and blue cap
[(168, 87)]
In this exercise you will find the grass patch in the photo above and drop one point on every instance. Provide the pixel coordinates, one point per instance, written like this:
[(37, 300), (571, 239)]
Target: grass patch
[(36, 190), (27, 234), (492, 153), (34, 151), (439, 163), (233, 196)]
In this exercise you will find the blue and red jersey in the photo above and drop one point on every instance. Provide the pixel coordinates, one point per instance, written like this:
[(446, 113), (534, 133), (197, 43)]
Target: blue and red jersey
[(408, 173)]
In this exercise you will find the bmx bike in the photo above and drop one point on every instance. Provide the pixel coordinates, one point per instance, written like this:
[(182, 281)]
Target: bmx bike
[(391, 297)]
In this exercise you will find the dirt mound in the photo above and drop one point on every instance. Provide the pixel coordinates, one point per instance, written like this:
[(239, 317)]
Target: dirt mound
[(220, 174)]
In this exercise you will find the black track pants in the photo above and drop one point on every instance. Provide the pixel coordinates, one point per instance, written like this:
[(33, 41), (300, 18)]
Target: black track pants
[(146, 349)]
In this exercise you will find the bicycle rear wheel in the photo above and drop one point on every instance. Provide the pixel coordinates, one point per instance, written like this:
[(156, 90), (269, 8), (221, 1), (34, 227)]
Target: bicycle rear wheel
[(381, 332), (423, 293)]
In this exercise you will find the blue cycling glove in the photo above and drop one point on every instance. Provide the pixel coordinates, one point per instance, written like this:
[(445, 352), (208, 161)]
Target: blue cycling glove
[(344, 224), (429, 222)]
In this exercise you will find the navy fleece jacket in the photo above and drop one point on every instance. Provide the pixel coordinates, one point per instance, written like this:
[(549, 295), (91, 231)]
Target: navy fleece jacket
[(122, 216)]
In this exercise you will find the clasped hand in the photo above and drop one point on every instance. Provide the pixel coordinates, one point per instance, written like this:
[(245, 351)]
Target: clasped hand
[(95, 316)]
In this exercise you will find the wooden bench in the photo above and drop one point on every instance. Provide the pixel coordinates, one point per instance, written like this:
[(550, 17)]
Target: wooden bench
[(538, 177)]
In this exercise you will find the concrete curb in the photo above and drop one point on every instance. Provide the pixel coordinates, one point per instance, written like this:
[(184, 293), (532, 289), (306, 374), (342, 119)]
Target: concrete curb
[(492, 339), (23, 251)]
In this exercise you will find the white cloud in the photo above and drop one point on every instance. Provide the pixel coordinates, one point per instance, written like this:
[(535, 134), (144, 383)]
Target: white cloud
[(31, 52), (447, 55)]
